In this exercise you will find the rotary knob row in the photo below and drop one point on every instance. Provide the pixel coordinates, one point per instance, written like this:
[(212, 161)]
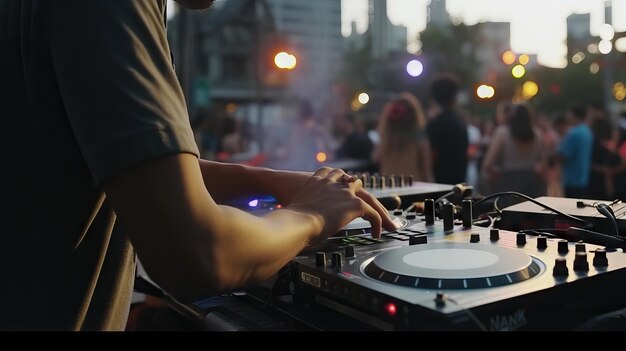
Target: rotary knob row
[(581, 264), (378, 181)]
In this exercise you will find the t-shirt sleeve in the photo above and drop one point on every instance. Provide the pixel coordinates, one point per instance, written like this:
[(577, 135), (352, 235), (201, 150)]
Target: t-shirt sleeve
[(118, 86)]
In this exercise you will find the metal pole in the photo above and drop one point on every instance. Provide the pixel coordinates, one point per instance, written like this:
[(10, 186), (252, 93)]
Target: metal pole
[(258, 92)]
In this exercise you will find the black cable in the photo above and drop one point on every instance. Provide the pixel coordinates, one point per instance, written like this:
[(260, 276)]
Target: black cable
[(513, 193), (610, 215), (450, 193), (495, 206)]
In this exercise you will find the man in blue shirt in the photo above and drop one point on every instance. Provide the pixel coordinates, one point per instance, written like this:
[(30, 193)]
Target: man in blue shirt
[(575, 153)]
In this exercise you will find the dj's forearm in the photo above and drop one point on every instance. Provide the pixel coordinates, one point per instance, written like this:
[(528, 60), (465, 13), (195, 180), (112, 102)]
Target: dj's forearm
[(226, 182)]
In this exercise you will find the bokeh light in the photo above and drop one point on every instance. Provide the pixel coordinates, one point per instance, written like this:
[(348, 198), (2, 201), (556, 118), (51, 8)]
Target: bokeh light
[(414, 68), (363, 98), (607, 32), (284, 60), (485, 91), (518, 71), (619, 91), (578, 57), (594, 68), (524, 59), (321, 157), (620, 44), (231, 108), (529, 90), (593, 48), (605, 47), (509, 57)]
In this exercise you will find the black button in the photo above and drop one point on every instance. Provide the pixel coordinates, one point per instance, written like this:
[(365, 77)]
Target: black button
[(418, 239), (542, 242), (320, 259), (560, 268), (521, 239), (562, 246), (494, 234), (600, 259), (474, 238), (580, 262)]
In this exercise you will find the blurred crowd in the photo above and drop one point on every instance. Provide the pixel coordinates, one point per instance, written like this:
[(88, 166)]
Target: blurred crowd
[(577, 153)]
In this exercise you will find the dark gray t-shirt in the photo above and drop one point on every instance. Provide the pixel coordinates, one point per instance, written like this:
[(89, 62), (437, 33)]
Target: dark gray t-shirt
[(87, 90)]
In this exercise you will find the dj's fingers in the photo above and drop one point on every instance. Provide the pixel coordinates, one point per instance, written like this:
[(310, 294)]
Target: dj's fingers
[(372, 216), (371, 200), (322, 172), (336, 175)]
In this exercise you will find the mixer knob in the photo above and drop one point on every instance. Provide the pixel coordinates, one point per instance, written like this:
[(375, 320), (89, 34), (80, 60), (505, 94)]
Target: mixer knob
[(397, 212), (563, 246), (320, 259), (521, 239), (411, 215), (580, 247), (560, 268), (429, 211), (418, 239), (542, 242), (600, 259), (474, 238), (408, 180), (400, 181), (391, 181), (336, 260), (580, 262), (382, 182), (349, 251), (466, 213), (448, 217), (494, 234), (373, 181), (365, 177)]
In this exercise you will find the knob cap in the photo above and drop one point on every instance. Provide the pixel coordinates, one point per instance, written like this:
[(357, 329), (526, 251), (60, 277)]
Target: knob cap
[(474, 238), (580, 247), (580, 262), (320, 259), (391, 181), (397, 212), (399, 181), (448, 217), (542, 242), (349, 251), (336, 260), (418, 239), (429, 211), (600, 259), (494, 234), (382, 182), (521, 239), (408, 180), (562, 246), (560, 267), (411, 215), (466, 213)]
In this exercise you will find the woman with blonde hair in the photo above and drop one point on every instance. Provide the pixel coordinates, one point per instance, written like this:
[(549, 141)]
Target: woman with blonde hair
[(404, 147)]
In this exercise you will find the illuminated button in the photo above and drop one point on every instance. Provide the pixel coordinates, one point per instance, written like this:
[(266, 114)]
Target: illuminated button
[(562, 246), (391, 309), (600, 259), (560, 268), (542, 242)]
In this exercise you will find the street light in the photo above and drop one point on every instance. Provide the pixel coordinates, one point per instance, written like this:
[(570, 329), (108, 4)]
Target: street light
[(285, 60)]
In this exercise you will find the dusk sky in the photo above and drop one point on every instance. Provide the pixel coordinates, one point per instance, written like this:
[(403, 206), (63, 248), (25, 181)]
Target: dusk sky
[(537, 26)]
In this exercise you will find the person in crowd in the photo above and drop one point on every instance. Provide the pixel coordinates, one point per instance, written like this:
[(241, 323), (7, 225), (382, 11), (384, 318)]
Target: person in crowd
[(515, 160), (356, 144), (574, 153), (306, 140), (605, 162), (447, 133), (403, 148)]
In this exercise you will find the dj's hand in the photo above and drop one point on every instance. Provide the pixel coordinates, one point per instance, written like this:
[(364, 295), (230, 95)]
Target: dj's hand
[(336, 199)]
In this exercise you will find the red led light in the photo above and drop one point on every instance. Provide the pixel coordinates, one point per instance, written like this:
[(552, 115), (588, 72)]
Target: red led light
[(391, 309), (279, 206)]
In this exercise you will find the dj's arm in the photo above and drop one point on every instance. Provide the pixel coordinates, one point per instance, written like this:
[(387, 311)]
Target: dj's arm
[(226, 182), (192, 247)]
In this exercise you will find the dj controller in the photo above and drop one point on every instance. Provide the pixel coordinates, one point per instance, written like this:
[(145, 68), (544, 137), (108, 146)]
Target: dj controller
[(446, 274)]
